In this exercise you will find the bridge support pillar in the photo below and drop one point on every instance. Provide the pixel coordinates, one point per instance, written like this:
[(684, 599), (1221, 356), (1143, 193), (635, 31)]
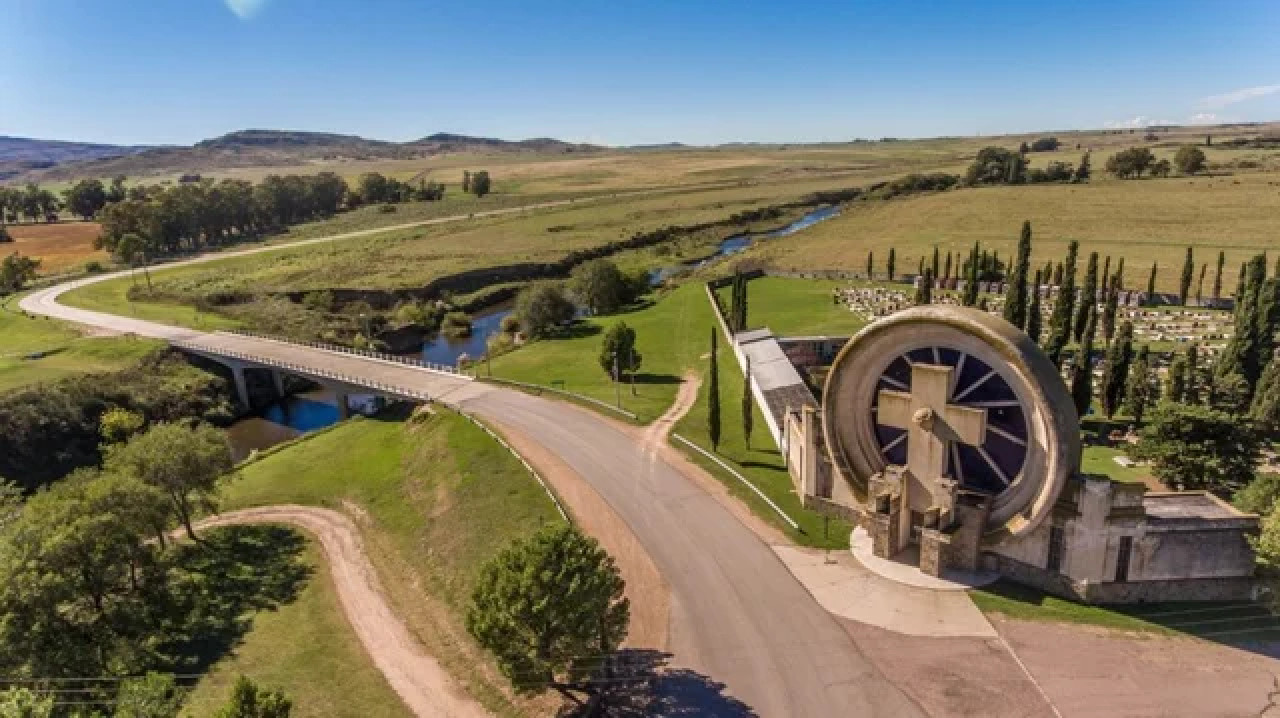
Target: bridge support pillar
[(277, 380), (242, 388), (344, 405)]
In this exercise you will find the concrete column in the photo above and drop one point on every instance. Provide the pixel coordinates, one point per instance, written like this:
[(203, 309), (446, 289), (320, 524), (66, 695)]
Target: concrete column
[(242, 388), (344, 407), (277, 380)]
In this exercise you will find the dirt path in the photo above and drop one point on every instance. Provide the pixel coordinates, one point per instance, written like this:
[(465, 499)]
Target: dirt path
[(415, 676)]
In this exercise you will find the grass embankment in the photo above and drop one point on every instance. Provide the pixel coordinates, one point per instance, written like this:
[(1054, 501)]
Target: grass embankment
[(797, 307), (1144, 221), (112, 296), (1224, 622), (434, 501), (307, 648), (36, 350)]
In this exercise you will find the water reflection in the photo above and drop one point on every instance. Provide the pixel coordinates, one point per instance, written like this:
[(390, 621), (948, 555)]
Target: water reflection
[(289, 419)]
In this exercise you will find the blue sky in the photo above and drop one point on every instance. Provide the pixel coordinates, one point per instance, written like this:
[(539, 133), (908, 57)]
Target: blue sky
[(632, 71)]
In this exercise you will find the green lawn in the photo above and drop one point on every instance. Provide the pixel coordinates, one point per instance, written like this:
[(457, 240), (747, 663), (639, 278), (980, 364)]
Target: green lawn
[(307, 649), (111, 296), (797, 307), (435, 499), (1224, 622), (34, 349)]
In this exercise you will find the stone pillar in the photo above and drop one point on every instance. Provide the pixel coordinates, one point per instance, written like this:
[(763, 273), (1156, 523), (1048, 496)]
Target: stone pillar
[(809, 468), (242, 388)]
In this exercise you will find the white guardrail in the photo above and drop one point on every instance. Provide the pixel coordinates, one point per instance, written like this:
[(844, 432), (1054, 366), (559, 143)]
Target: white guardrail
[(538, 477), (790, 521), (307, 371), (338, 349)]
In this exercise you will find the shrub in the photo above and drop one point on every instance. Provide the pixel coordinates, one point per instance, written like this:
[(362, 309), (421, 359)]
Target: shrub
[(387, 208), (456, 324)]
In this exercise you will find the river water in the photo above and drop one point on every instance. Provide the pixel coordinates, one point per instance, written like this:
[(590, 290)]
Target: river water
[(298, 414)]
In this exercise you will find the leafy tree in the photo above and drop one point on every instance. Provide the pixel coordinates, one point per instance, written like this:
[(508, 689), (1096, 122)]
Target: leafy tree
[(543, 307), (466, 180), (1139, 389), (1217, 277), (1151, 283), (1259, 496), (600, 286), (550, 608), (16, 271), (1189, 159), (1084, 169), (1045, 144), (1033, 311), (116, 192), (248, 700), (1196, 447), (996, 165), (1184, 283), (889, 265), (132, 249), (1088, 296), (5, 237), (619, 351), (480, 183), (1130, 163), (1176, 382), (1115, 374), (16, 702), (1161, 168), (1082, 373), (1015, 306), (185, 463), (1229, 394), (155, 695), (748, 407), (85, 198), (1060, 319), (118, 424)]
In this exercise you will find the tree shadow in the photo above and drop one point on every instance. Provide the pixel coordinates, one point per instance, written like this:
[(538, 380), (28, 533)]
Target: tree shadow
[(221, 581), (576, 330), (643, 378), (641, 684)]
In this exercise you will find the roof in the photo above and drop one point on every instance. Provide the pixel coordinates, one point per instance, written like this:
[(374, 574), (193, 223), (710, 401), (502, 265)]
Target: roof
[(1190, 505)]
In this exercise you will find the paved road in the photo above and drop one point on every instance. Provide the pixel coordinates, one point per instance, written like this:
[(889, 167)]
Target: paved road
[(738, 616)]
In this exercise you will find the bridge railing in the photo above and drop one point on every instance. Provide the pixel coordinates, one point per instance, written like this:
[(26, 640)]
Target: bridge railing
[(308, 371), (326, 346)]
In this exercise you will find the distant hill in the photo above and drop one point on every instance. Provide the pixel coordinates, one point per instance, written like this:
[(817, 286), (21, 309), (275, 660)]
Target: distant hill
[(253, 148), (20, 154)]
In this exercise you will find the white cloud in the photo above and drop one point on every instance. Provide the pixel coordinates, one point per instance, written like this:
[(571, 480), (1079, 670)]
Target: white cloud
[(1139, 121), (1204, 118), (1230, 98), (245, 9)]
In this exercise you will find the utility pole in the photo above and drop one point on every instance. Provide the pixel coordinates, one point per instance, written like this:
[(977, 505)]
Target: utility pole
[(617, 388)]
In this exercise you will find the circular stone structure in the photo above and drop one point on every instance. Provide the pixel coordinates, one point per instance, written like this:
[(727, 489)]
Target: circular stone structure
[(1032, 441)]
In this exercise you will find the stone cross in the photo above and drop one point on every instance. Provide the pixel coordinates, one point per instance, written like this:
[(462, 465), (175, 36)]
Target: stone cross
[(931, 424)]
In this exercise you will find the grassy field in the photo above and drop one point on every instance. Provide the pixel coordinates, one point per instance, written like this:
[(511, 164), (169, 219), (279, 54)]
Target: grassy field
[(112, 296), (435, 499), (796, 307), (1144, 221), (61, 247), (307, 649), (36, 349), (1224, 622)]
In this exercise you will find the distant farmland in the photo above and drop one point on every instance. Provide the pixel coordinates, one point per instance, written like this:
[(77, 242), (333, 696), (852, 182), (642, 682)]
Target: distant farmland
[(61, 247)]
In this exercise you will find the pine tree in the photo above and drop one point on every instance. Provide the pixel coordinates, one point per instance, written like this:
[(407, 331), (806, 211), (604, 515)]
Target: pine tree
[(1184, 283), (870, 265), (1176, 384), (1088, 296), (1015, 305), (1217, 277), (1082, 377), (713, 397), (747, 405), (1151, 284), (1115, 374), (1138, 386), (889, 265), (1060, 319), (936, 267), (1033, 312)]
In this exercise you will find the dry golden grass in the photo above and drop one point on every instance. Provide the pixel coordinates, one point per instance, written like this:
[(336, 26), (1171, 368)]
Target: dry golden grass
[(61, 246)]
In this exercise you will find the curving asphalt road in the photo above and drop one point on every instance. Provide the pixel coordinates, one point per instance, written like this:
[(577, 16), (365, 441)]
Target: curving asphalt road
[(737, 614)]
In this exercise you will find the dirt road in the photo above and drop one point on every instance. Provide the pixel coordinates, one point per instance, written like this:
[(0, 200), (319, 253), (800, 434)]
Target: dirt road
[(416, 677)]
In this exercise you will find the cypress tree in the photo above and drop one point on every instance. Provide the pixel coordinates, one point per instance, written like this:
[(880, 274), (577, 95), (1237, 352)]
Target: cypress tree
[(924, 291), (1138, 387), (936, 267), (1217, 276), (920, 268), (1082, 375), (1060, 319), (1047, 273), (1176, 386), (713, 398), (747, 405), (1268, 320), (1106, 277), (1240, 284), (889, 265), (1151, 284), (1015, 305), (1191, 379), (742, 302), (1118, 281), (1115, 374), (1243, 353), (734, 289), (870, 265), (970, 298), (947, 275), (1200, 284), (1033, 312), (1088, 296), (1184, 283), (1109, 311), (1057, 275), (1266, 400)]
